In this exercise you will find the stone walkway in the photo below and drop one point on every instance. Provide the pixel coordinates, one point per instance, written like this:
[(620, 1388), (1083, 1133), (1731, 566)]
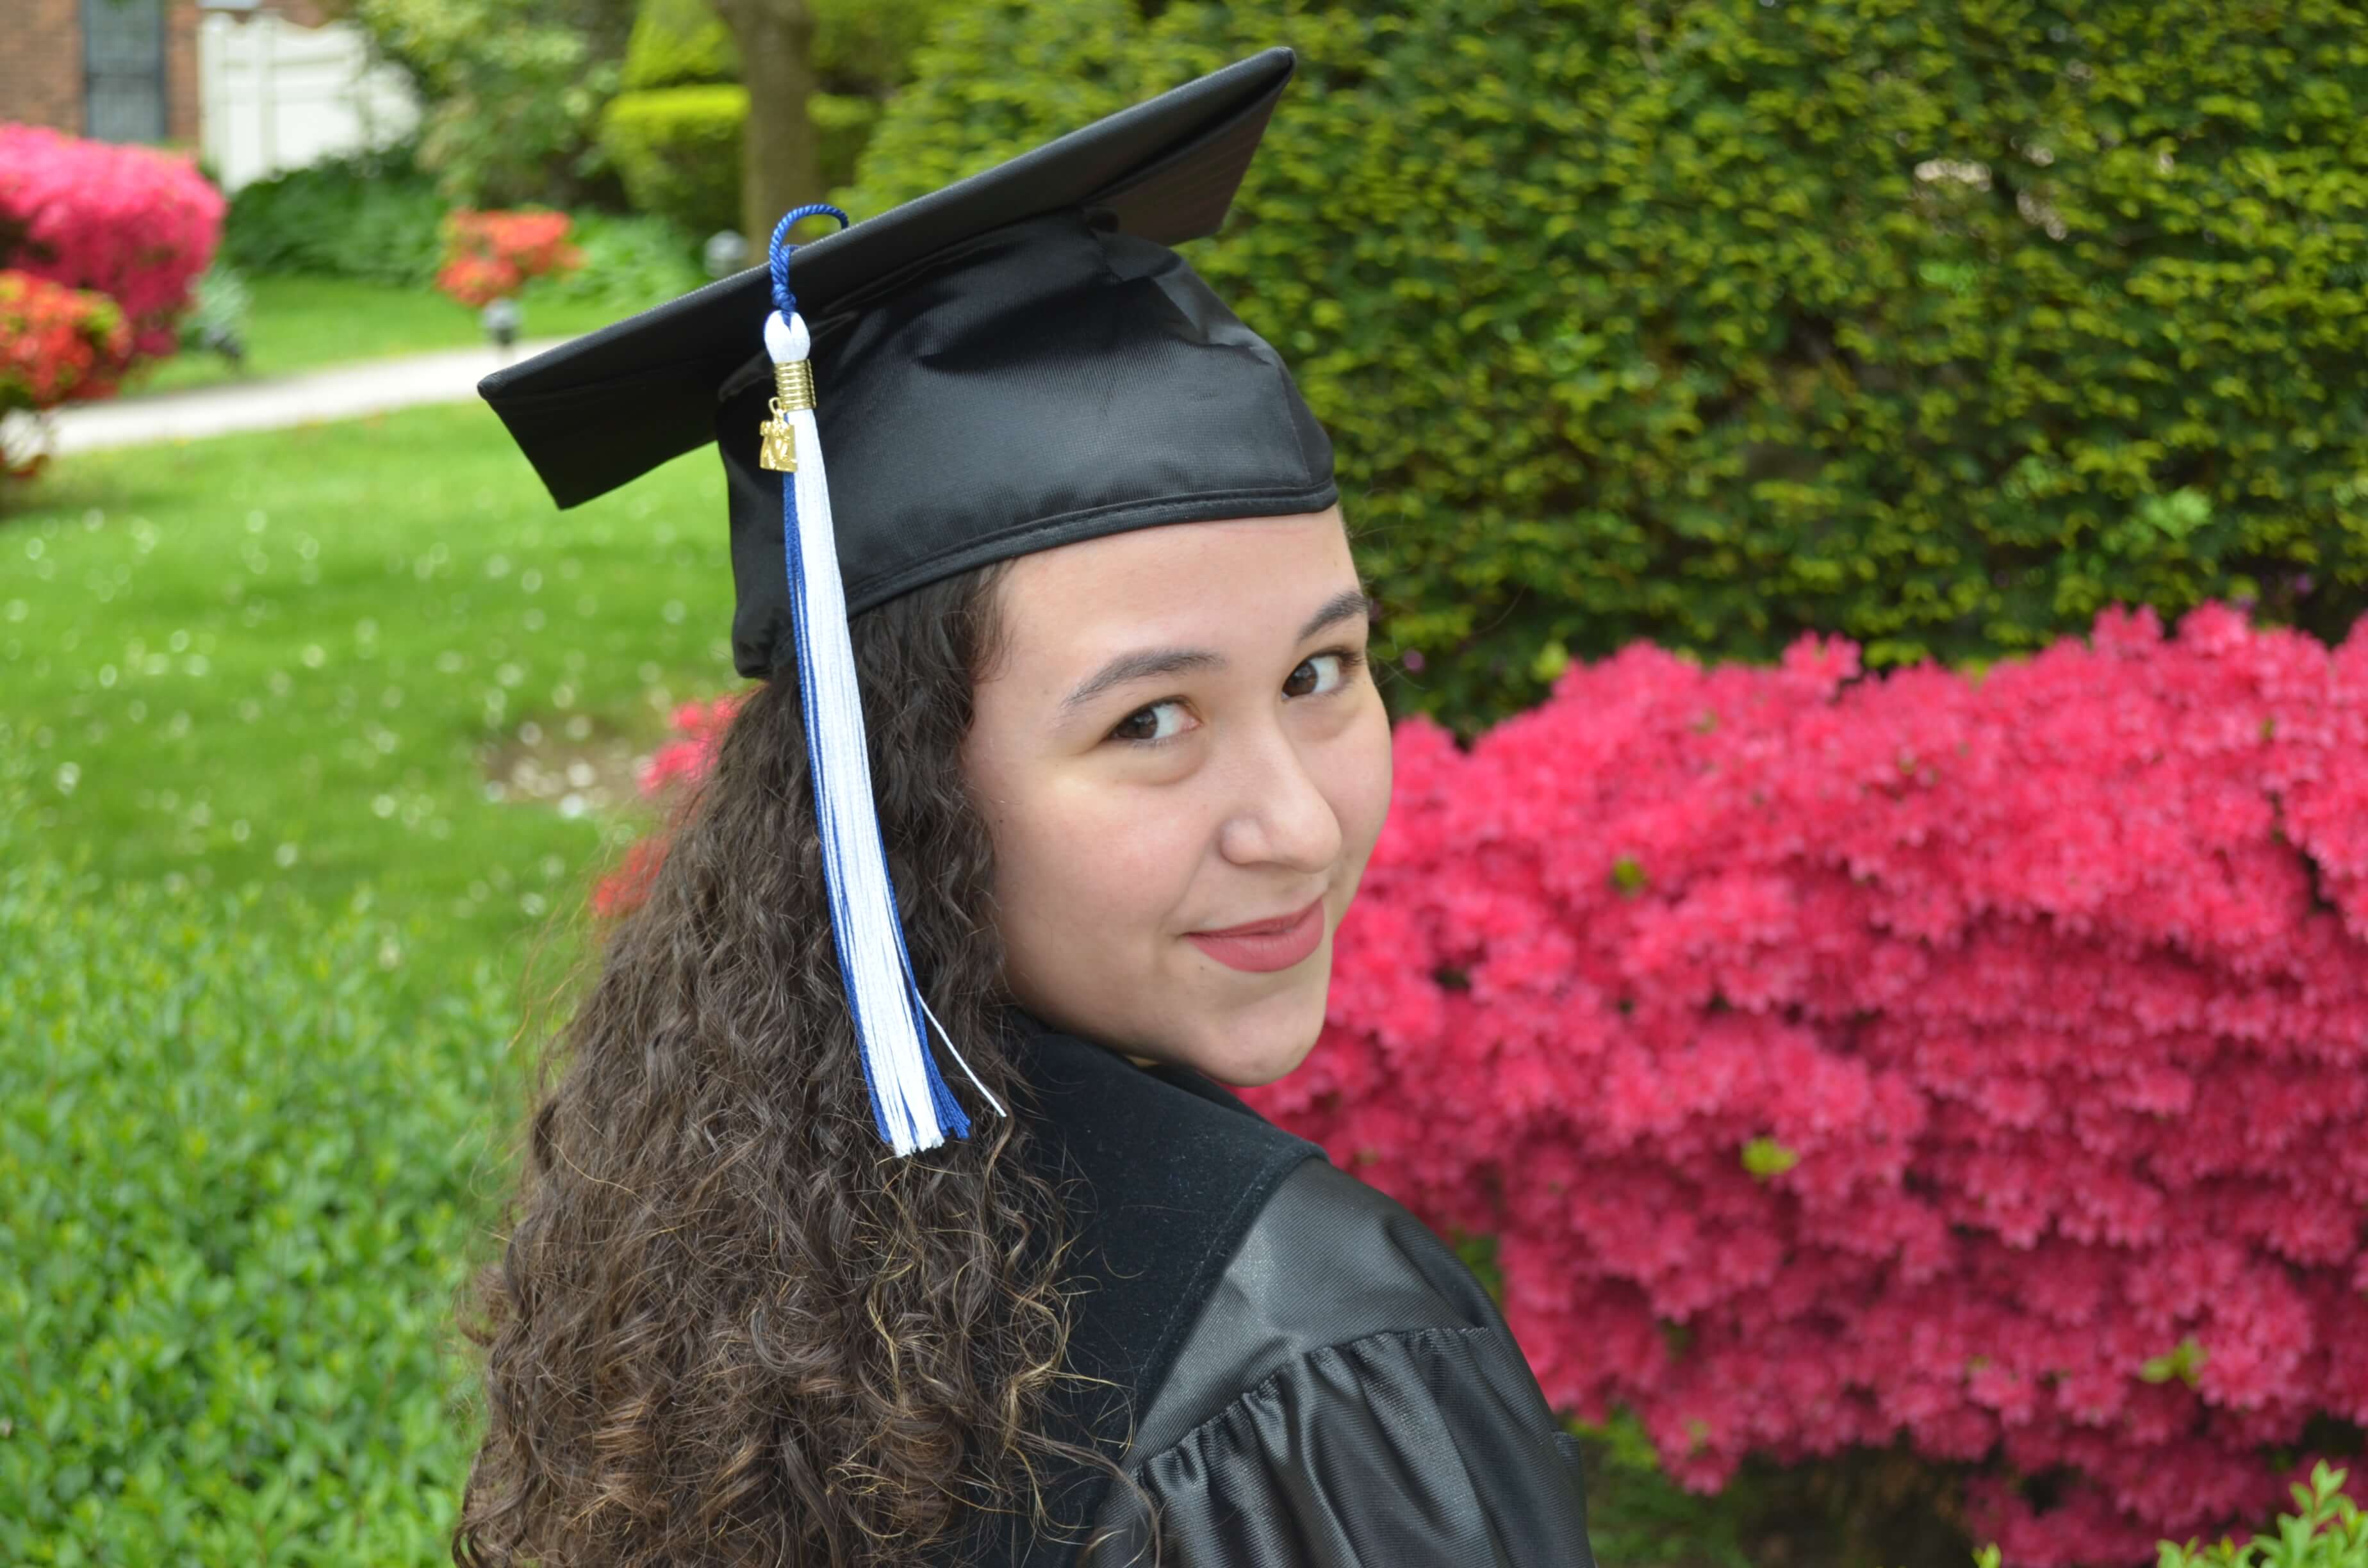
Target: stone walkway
[(344, 392)]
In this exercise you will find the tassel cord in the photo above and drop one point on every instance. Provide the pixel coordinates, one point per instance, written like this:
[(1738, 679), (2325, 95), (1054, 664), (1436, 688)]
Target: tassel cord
[(911, 1106)]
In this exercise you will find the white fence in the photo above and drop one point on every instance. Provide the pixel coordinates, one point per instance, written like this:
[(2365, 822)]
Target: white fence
[(273, 95)]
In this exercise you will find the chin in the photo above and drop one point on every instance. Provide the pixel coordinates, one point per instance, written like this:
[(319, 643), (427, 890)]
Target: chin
[(1254, 1045)]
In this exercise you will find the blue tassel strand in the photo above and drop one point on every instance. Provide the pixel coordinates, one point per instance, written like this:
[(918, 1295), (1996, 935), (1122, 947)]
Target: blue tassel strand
[(911, 1105)]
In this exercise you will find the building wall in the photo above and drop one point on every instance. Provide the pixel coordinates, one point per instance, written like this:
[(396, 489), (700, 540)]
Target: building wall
[(181, 120), (41, 69)]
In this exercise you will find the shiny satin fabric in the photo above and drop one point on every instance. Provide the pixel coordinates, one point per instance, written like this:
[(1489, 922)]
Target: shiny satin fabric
[(1349, 1397)]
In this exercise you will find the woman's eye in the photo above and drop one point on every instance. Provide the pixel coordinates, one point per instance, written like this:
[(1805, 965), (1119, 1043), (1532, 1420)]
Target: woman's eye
[(1340, 663), (1133, 727), (1327, 672)]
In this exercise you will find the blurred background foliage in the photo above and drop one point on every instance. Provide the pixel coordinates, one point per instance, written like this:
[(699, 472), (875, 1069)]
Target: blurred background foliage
[(1939, 324), (513, 90), (674, 134), (522, 94)]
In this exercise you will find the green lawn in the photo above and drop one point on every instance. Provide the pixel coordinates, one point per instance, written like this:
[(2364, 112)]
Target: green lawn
[(293, 657), (302, 323)]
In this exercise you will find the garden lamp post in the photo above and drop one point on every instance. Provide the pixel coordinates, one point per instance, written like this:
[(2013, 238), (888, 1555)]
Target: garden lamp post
[(502, 318), (726, 252)]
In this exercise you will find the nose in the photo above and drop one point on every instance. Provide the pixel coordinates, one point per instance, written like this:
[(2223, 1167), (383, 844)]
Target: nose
[(1280, 815)]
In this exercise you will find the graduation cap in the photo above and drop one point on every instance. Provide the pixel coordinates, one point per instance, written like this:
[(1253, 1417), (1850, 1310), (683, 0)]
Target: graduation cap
[(1015, 362)]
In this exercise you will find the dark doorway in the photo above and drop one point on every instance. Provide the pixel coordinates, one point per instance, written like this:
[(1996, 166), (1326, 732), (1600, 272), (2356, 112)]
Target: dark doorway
[(123, 70)]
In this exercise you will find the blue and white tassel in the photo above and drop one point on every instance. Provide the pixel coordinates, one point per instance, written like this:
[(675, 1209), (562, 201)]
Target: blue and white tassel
[(910, 1103)]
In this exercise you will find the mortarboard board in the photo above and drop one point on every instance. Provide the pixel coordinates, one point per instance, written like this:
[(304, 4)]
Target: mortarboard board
[(1014, 362)]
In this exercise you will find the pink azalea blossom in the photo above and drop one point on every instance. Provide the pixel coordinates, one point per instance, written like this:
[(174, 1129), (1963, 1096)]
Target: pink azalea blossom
[(137, 225)]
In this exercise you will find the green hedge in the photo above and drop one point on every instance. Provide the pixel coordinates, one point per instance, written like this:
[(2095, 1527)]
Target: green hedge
[(372, 217), (677, 150), (860, 48), (679, 43), (378, 219), (238, 1179), (1936, 323), (630, 264)]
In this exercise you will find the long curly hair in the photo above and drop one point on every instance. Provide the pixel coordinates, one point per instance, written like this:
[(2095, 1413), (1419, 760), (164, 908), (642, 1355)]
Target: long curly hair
[(727, 1324)]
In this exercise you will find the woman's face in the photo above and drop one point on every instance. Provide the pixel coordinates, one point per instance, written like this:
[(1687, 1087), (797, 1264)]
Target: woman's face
[(1181, 737)]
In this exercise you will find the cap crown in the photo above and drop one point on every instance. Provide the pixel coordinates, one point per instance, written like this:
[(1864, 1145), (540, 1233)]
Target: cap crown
[(1048, 382)]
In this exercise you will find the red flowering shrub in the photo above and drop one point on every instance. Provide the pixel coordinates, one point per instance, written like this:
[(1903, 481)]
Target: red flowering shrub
[(1983, 1062), (1980, 1061), (56, 344), (135, 223), (675, 769), (490, 255)]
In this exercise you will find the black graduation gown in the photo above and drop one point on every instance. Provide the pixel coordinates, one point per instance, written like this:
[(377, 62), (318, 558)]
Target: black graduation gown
[(1315, 1380)]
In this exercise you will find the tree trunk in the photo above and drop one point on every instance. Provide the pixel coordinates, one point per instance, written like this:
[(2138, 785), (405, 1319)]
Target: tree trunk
[(779, 166)]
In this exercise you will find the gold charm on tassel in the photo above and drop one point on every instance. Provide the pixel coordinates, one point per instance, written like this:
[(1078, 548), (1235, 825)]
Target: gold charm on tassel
[(793, 390), (778, 452)]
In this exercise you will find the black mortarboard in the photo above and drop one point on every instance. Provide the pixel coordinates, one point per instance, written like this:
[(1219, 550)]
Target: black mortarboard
[(1011, 363)]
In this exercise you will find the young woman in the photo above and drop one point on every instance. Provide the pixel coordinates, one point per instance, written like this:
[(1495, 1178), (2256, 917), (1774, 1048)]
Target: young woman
[(1105, 660)]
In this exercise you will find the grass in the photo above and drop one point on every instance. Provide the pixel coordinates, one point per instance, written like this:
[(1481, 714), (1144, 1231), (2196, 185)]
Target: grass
[(240, 1178), (304, 324), (290, 657), (255, 685)]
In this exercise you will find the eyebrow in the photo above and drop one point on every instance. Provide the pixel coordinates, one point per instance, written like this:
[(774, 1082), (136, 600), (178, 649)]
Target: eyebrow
[(1349, 604)]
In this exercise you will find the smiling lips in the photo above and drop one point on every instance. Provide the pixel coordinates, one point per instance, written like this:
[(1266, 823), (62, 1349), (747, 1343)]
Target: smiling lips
[(1264, 946)]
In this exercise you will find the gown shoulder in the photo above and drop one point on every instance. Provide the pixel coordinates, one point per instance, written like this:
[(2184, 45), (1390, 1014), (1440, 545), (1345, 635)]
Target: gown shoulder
[(1347, 1397)]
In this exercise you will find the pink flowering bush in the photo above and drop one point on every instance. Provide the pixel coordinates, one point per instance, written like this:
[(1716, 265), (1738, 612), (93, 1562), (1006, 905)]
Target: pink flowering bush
[(1980, 1061), (135, 223)]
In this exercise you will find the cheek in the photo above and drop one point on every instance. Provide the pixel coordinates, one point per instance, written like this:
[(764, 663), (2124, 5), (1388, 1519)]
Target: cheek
[(1359, 785), (1088, 869)]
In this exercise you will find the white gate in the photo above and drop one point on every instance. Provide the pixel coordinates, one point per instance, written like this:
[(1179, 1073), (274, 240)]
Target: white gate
[(272, 95)]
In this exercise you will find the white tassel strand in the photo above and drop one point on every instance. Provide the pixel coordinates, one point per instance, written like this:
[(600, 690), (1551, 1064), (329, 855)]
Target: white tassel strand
[(886, 1003)]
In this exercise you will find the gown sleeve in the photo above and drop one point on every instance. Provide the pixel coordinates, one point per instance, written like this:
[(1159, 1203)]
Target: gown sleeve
[(1319, 1438)]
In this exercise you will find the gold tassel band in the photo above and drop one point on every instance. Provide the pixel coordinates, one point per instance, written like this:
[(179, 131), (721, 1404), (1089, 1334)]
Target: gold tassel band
[(777, 449), (793, 381)]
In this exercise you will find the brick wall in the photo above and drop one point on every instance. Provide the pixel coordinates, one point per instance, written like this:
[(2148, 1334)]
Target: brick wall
[(181, 74), (41, 69)]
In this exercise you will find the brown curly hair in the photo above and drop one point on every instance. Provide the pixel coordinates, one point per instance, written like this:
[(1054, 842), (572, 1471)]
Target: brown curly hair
[(728, 1325)]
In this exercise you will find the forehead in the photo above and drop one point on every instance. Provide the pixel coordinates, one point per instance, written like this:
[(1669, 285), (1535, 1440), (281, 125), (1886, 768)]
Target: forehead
[(1199, 583)]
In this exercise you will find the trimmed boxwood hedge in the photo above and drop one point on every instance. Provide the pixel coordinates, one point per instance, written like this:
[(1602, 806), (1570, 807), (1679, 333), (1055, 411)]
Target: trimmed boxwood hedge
[(240, 1174), (679, 43), (678, 151), (1936, 323)]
